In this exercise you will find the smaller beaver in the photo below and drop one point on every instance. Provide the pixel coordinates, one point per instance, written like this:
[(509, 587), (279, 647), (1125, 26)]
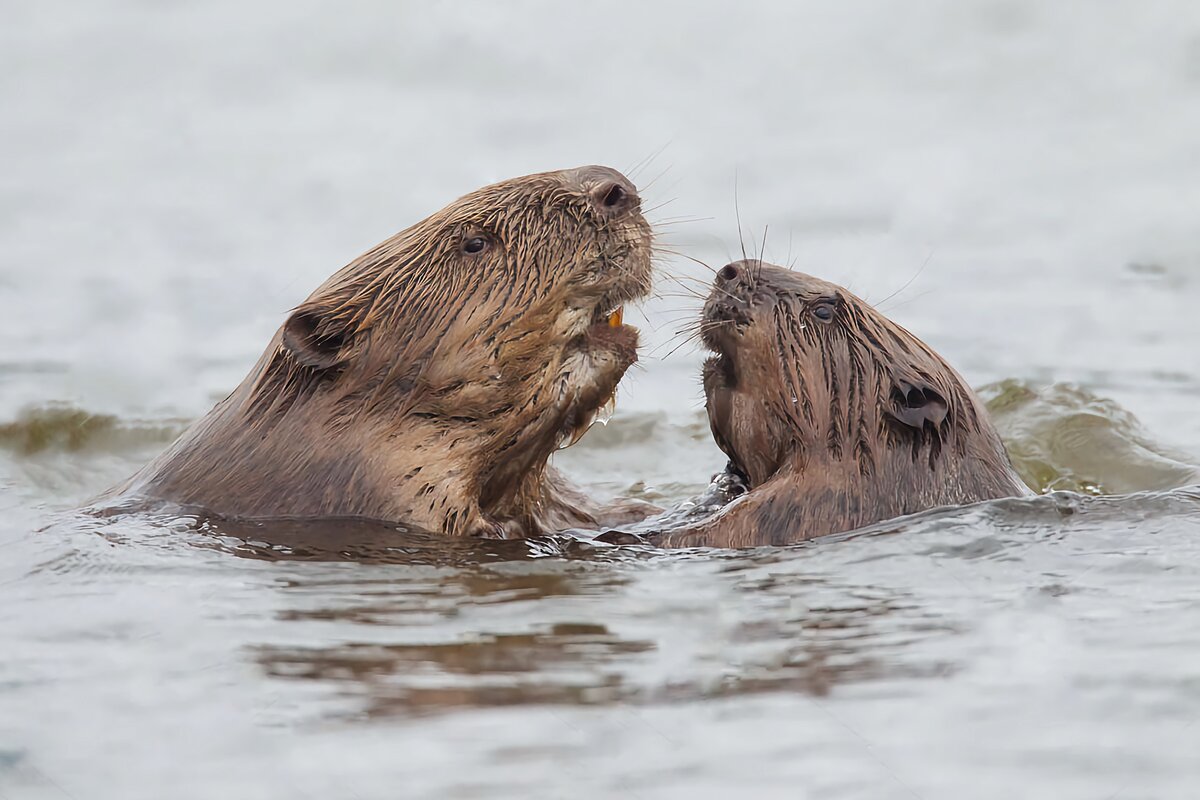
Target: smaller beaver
[(835, 416)]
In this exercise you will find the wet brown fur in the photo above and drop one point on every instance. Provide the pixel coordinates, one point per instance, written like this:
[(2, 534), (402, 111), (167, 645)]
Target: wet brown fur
[(836, 424), (428, 385)]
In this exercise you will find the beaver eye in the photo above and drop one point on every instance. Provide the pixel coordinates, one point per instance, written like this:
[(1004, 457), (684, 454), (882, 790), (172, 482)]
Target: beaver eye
[(823, 311), (475, 244)]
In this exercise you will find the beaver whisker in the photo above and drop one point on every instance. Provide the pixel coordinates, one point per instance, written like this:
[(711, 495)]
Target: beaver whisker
[(692, 335), (674, 350), (674, 339), (737, 215), (684, 281), (911, 300), (713, 324), (727, 293), (789, 259), (694, 260), (656, 327), (690, 329), (680, 220), (658, 206), (680, 288), (687, 276), (762, 252), (696, 283), (755, 271), (645, 162), (680, 316), (907, 283), (708, 325), (687, 332), (660, 260), (659, 177), (689, 289)]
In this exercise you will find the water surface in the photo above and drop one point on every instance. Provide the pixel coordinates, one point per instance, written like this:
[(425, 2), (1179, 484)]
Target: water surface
[(1016, 182)]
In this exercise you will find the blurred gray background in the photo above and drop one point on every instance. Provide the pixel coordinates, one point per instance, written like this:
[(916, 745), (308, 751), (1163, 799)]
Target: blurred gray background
[(1025, 175)]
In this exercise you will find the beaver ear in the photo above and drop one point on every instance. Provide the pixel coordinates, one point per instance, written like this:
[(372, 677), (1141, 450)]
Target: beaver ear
[(313, 340), (915, 402)]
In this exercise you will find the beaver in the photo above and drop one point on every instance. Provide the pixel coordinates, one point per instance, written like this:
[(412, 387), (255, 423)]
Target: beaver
[(834, 416), (428, 381)]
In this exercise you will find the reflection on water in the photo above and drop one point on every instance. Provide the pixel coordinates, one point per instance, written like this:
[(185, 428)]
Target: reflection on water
[(788, 644), (569, 664), (364, 542), (424, 625), (787, 630)]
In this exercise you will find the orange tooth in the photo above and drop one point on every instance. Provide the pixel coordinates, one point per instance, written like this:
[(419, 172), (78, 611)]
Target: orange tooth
[(614, 319)]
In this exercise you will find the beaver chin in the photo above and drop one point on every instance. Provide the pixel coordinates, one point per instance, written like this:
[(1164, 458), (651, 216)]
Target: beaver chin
[(748, 431), (720, 384), (597, 359)]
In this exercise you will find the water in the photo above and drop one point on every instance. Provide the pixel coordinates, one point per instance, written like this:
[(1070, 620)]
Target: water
[(1021, 177)]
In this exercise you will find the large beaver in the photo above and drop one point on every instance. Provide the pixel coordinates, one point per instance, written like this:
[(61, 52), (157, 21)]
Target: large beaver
[(835, 416), (429, 381)]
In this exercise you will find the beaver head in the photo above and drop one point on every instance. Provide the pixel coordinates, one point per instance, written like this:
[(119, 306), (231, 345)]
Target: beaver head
[(430, 379), (810, 385)]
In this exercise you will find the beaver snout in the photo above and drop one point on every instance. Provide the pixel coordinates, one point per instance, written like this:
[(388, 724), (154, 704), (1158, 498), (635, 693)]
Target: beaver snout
[(729, 300), (725, 311), (610, 192)]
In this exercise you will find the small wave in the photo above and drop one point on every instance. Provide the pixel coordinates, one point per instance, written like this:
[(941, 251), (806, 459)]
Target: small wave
[(1064, 438), (60, 427), (1061, 438)]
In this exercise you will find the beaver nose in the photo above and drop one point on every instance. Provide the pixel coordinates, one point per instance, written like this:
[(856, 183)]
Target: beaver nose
[(740, 271), (610, 192)]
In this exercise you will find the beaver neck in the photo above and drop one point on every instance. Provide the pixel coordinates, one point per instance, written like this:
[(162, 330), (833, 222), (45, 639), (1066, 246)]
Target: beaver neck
[(301, 459), (847, 492)]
